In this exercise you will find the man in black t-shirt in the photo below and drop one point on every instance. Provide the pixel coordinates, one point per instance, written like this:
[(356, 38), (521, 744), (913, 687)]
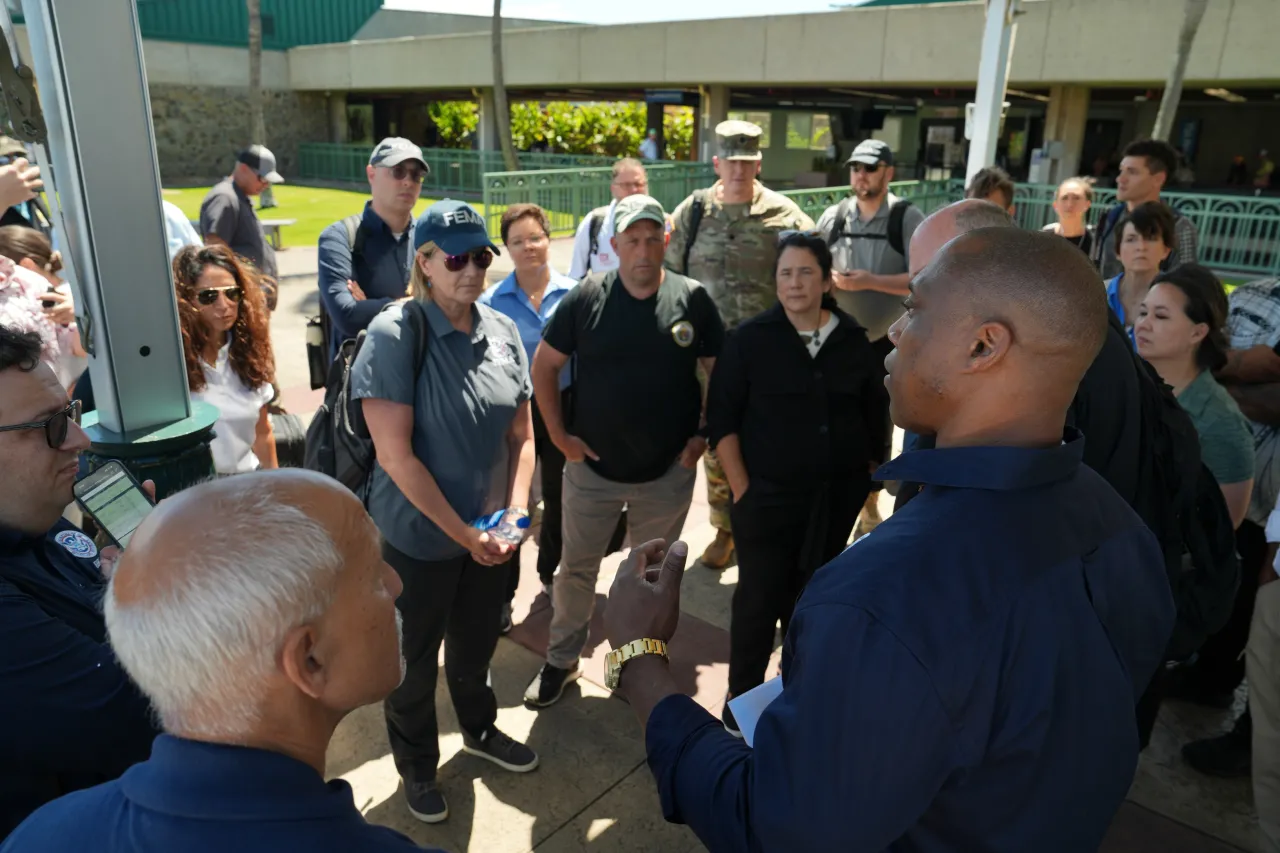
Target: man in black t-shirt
[(637, 427)]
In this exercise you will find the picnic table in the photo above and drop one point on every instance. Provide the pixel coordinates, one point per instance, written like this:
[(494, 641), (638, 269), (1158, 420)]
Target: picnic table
[(271, 230)]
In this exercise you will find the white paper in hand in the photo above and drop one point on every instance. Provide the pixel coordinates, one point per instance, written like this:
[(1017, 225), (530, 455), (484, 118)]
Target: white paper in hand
[(748, 707)]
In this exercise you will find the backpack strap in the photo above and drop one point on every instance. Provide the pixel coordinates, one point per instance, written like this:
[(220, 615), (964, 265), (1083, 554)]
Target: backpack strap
[(596, 222), (837, 227), (696, 208), (355, 236), (897, 215), (416, 315)]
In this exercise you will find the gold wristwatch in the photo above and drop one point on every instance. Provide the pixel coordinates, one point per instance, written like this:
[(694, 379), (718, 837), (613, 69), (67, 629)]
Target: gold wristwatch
[(615, 659)]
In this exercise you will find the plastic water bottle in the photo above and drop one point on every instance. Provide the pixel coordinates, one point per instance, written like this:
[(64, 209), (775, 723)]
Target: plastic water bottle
[(506, 525)]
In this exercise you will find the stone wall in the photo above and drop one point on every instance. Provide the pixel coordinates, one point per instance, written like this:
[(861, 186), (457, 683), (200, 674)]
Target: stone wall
[(199, 128)]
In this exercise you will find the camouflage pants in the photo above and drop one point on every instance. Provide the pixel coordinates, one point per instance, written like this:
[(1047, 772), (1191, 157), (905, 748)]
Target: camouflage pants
[(719, 498)]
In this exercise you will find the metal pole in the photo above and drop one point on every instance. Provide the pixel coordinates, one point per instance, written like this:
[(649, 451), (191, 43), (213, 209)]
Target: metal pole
[(104, 187), (993, 76)]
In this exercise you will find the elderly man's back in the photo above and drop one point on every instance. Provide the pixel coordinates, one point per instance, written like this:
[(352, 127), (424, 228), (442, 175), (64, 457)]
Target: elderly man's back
[(208, 798)]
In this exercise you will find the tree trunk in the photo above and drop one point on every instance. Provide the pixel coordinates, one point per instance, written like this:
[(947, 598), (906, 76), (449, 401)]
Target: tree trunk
[(257, 121), (1192, 15), (500, 105)]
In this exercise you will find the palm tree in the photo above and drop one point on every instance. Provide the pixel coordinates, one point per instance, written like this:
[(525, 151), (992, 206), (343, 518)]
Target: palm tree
[(1192, 15), (500, 105), (257, 120)]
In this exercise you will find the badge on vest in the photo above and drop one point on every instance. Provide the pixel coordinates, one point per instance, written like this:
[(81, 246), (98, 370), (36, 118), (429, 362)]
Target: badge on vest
[(682, 333), (77, 544)]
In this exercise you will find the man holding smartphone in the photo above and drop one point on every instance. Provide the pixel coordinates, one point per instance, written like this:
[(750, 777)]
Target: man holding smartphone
[(73, 718), (870, 234)]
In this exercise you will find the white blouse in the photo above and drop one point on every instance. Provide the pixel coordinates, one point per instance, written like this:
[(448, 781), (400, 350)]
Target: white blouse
[(239, 408)]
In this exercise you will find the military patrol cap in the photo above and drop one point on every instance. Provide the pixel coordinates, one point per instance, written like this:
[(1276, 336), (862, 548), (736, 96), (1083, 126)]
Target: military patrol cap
[(10, 147), (738, 140), (634, 208)]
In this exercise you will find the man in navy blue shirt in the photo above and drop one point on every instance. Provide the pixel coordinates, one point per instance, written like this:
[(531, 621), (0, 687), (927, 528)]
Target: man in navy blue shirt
[(70, 715), (964, 677), (364, 267), (254, 612)]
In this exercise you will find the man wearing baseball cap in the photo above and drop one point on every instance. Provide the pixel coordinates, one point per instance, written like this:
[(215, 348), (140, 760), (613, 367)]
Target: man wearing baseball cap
[(637, 333), (227, 215), (869, 234), (364, 259)]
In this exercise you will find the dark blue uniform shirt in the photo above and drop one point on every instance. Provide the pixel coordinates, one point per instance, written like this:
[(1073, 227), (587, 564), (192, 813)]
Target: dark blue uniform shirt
[(69, 715), (963, 679), (196, 797), (381, 268)]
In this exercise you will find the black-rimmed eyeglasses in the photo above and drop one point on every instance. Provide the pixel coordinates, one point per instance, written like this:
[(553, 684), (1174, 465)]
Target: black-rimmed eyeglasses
[(55, 426)]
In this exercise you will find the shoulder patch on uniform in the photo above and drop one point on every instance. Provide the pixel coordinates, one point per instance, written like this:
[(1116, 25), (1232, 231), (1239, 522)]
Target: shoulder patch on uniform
[(682, 333), (77, 544)]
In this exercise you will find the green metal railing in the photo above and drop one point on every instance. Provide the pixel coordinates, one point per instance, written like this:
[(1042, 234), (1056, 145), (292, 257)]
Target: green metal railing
[(452, 170), (926, 195), (568, 195)]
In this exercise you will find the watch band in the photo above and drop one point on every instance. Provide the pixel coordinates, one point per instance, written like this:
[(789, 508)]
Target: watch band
[(615, 660)]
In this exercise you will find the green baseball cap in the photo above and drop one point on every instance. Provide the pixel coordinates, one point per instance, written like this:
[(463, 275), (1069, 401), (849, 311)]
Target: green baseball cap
[(634, 208)]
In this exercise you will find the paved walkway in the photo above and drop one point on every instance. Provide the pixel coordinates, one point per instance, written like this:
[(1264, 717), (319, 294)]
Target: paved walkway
[(593, 791)]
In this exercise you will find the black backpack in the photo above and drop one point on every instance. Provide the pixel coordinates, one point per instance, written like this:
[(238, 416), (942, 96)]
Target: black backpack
[(897, 214), (338, 442), (1181, 502)]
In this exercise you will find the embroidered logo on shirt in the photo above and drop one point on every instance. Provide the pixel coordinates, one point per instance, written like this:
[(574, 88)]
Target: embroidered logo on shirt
[(504, 352), (682, 333), (77, 544)]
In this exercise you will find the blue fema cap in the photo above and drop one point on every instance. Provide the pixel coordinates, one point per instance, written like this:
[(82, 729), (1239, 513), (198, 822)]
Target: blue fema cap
[(454, 226)]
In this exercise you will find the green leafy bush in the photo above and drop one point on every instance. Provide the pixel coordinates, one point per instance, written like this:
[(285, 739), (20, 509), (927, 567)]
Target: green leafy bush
[(605, 129)]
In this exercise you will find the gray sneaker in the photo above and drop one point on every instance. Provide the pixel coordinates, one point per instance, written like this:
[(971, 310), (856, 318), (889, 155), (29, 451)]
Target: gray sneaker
[(501, 750), (425, 801)]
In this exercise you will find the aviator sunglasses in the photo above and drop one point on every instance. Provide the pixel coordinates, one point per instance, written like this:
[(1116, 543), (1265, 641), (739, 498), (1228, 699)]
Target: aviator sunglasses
[(482, 258), (209, 295), (55, 426)]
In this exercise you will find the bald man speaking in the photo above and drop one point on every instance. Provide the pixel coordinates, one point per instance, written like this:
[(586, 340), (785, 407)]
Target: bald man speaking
[(963, 678), (254, 612)]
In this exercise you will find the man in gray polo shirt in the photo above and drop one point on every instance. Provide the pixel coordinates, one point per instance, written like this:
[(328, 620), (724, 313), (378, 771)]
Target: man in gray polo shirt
[(869, 234), (227, 215)]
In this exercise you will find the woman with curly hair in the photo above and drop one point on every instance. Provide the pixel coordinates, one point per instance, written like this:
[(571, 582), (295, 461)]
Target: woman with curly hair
[(227, 345)]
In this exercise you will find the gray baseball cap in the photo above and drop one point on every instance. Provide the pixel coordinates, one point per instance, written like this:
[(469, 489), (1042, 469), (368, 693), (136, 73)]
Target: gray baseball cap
[(634, 208), (261, 160), (394, 150)]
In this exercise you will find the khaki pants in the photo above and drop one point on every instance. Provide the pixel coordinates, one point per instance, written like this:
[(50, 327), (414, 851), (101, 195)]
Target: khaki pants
[(719, 497), (1262, 657), (591, 505)]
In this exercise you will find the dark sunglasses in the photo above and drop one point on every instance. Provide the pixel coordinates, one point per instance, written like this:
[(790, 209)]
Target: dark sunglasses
[(482, 258), (870, 169), (401, 171), (208, 296), (55, 426)]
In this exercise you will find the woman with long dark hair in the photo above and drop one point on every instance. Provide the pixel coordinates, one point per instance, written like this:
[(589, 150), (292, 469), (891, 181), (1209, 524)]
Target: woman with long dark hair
[(226, 341), (797, 414)]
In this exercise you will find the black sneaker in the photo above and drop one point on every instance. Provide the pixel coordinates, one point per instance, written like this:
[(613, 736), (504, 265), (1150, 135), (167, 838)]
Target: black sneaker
[(548, 685), (1183, 685), (504, 627), (501, 750), (1229, 756), (730, 722), (426, 803)]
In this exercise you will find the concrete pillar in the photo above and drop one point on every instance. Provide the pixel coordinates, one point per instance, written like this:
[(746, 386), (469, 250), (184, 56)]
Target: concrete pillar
[(653, 119), (714, 109), (338, 127), (1064, 123), (487, 138)]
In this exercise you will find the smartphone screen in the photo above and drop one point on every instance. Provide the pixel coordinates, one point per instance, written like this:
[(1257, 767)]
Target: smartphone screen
[(115, 500)]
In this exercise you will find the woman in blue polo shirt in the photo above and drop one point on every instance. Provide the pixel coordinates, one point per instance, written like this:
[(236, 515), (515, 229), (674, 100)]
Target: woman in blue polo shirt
[(529, 296), (1181, 333), (454, 442)]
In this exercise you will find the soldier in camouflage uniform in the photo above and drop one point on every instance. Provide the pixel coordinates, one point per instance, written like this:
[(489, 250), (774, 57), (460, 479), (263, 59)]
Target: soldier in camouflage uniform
[(732, 249)]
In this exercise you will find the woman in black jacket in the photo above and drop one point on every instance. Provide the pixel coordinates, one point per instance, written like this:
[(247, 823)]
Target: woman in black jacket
[(796, 412)]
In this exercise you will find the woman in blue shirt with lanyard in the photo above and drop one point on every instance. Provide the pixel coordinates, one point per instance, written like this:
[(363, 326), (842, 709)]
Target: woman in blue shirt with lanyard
[(529, 296), (454, 443)]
